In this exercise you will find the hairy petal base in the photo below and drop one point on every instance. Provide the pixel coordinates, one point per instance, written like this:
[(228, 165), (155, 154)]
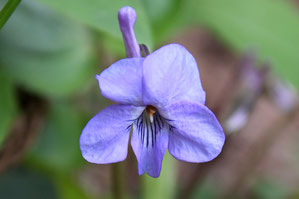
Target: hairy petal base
[(149, 142)]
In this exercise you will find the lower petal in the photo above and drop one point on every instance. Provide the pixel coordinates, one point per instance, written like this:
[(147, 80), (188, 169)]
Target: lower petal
[(149, 146), (105, 137), (196, 135)]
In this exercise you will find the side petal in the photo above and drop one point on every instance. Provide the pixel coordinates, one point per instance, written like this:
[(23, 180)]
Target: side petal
[(149, 142), (195, 135), (122, 81), (171, 75), (105, 137)]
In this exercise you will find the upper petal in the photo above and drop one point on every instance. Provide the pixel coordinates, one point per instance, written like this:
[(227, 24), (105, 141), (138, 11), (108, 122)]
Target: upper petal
[(122, 81), (105, 137), (149, 142), (196, 135), (171, 75)]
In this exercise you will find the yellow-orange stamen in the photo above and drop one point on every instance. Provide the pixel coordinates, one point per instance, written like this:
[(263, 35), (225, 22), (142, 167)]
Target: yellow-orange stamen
[(150, 111)]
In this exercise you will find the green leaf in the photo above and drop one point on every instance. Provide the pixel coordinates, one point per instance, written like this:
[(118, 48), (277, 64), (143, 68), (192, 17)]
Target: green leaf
[(167, 18), (206, 190), (7, 10), (269, 26), (58, 145), (165, 185), (68, 188), (158, 9), (8, 107), (45, 52), (102, 15), (267, 189), (26, 184)]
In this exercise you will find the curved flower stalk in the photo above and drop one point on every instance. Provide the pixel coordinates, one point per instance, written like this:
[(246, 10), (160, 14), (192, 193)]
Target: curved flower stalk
[(162, 99)]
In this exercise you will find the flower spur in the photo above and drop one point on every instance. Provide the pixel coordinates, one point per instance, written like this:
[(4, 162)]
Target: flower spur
[(162, 99)]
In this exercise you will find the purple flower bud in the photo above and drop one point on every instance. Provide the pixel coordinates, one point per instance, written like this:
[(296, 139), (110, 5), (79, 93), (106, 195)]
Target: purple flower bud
[(237, 120), (127, 18), (253, 77), (252, 82), (284, 95)]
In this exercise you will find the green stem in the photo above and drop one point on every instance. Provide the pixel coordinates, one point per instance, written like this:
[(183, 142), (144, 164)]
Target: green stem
[(7, 10), (164, 186), (117, 181)]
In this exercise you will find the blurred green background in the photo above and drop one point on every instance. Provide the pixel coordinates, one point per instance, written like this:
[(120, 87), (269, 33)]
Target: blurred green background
[(50, 51)]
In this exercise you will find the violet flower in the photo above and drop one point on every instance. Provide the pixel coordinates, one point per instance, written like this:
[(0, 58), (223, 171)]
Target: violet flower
[(162, 99)]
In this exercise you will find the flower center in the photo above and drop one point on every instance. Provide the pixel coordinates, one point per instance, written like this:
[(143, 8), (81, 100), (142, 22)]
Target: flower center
[(151, 110), (149, 124)]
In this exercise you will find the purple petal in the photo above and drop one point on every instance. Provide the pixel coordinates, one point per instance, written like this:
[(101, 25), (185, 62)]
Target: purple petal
[(171, 75), (122, 81), (149, 142), (105, 137), (196, 135)]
